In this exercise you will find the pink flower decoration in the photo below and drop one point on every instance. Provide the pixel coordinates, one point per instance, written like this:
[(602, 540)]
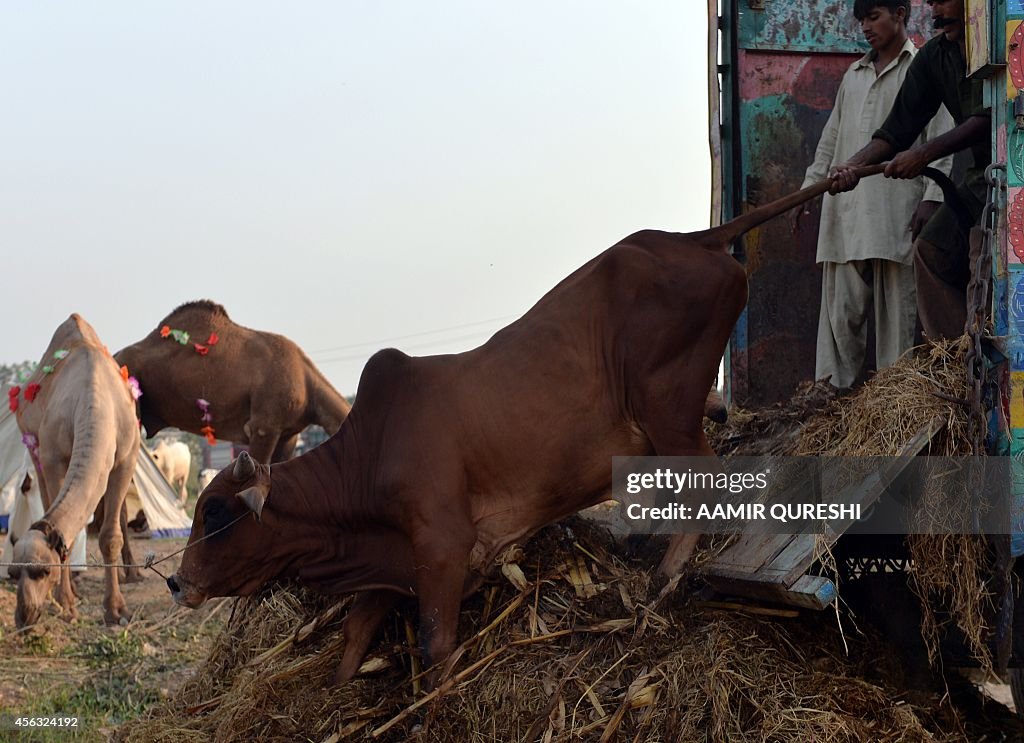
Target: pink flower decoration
[(31, 442), (136, 390)]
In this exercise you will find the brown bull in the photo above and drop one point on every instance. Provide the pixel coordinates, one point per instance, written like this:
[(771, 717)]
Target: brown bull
[(444, 461)]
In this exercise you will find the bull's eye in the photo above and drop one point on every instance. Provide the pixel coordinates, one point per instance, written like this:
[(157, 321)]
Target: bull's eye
[(38, 572), (215, 516)]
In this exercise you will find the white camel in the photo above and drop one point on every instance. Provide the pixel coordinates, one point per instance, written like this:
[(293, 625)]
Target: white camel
[(77, 416)]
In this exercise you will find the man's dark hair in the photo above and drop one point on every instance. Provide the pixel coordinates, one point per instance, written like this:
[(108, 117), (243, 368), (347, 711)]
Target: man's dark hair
[(861, 8)]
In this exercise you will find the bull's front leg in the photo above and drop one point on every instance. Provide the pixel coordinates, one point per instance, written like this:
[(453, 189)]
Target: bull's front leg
[(364, 617), (441, 573)]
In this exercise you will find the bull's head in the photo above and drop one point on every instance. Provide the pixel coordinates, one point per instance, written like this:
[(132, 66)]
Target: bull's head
[(36, 578), (232, 561)]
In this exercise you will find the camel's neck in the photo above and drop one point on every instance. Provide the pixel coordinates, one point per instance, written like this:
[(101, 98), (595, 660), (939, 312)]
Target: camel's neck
[(87, 475), (328, 408)]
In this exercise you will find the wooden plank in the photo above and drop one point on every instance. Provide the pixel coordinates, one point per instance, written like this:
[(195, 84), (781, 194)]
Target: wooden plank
[(752, 555), (781, 560), (809, 592)]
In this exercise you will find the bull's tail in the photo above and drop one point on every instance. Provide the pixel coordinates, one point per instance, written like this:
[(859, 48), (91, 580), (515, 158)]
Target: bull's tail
[(721, 237)]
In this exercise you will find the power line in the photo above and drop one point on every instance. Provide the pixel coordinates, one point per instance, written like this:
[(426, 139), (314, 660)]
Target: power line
[(431, 344), (378, 343)]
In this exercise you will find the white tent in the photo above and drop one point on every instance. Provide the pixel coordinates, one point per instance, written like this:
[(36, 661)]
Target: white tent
[(150, 492)]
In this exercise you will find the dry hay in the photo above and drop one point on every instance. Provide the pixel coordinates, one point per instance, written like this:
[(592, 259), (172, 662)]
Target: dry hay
[(570, 655), (771, 430), (948, 569)]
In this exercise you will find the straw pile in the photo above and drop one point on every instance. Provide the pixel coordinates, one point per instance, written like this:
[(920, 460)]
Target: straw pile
[(562, 647), (568, 654), (878, 419)]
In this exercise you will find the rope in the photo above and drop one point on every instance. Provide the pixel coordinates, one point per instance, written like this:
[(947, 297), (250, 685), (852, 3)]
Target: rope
[(149, 563)]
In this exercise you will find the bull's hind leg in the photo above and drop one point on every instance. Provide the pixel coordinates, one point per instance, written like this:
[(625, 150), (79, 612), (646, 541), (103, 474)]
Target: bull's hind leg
[(112, 540), (368, 610), (681, 546), (674, 430)]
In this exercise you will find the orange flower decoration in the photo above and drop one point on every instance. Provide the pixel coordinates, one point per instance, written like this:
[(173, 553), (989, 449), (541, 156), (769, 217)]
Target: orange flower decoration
[(124, 373), (165, 331), (208, 432)]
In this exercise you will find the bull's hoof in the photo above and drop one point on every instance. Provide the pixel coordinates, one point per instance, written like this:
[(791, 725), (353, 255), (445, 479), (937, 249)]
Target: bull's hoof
[(718, 415), (134, 575)]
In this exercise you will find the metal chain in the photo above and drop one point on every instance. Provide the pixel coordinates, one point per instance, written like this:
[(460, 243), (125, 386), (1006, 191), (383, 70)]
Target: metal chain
[(978, 305), (979, 300)]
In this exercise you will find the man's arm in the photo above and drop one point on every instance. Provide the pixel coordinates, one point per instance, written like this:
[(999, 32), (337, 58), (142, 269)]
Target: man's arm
[(910, 163)]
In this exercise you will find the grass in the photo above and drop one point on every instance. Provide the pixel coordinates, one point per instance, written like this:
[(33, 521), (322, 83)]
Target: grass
[(103, 675)]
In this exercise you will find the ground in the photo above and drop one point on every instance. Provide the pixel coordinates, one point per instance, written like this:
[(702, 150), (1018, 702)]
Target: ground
[(104, 675)]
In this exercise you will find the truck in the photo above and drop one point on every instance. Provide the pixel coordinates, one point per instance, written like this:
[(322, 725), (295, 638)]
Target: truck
[(774, 69)]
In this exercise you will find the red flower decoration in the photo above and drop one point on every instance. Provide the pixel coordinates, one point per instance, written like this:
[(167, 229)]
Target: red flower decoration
[(212, 340), (208, 432), (12, 398), (165, 331), (31, 391), (201, 349)]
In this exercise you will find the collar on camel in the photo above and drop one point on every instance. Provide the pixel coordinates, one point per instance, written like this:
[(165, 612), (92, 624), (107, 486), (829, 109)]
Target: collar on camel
[(182, 337), (53, 538)]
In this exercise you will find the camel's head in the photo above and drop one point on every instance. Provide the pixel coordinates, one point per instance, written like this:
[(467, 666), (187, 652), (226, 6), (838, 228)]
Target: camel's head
[(228, 551), (36, 577)]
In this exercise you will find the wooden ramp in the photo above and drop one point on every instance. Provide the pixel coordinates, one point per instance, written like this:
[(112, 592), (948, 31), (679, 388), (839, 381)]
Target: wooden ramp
[(773, 567)]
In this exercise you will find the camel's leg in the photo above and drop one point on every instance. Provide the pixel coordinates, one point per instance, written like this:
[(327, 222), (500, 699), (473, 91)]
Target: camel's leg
[(285, 448), (262, 442), (112, 540), (133, 574)]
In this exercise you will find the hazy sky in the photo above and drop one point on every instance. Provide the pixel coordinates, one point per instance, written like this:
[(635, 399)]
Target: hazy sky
[(353, 175)]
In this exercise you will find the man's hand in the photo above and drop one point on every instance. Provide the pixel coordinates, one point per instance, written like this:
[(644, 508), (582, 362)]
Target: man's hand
[(844, 178), (909, 163), (796, 214), (925, 211)]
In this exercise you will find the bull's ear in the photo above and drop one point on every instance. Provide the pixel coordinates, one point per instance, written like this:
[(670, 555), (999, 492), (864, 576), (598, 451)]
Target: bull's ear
[(244, 467), (253, 498)]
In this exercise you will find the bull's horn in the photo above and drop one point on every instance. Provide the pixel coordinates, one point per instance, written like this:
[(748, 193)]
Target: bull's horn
[(253, 499), (244, 467)]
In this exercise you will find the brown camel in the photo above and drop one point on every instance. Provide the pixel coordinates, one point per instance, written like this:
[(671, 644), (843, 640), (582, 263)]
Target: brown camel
[(77, 417), (202, 373)]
